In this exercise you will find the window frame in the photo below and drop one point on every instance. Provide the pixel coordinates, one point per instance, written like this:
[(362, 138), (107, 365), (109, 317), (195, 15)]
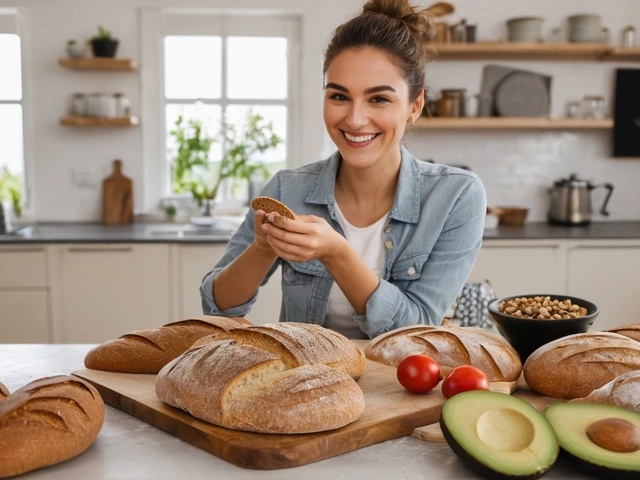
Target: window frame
[(158, 23)]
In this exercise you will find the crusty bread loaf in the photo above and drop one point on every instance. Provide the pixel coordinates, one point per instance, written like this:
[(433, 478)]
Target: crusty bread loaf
[(450, 347), (4, 392), (632, 331), (576, 365), (46, 422), (622, 391), (147, 351), (275, 379)]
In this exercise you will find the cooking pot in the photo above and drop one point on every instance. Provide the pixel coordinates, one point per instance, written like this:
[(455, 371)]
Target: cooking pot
[(571, 201)]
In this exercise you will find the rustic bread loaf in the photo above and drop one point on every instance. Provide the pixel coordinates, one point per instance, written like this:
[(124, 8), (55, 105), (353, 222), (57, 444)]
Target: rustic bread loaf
[(576, 365), (46, 422), (632, 331), (622, 391), (450, 347), (277, 379), (147, 351), (4, 392)]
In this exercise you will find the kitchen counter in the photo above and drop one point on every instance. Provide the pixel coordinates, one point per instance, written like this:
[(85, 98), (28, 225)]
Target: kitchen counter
[(179, 233), (128, 448)]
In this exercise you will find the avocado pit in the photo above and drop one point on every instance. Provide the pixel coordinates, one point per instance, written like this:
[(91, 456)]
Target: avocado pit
[(615, 434), (505, 429)]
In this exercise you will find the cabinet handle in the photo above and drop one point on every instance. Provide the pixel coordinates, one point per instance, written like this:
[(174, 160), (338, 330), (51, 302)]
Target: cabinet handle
[(608, 247), (99, 250), (21, 250)]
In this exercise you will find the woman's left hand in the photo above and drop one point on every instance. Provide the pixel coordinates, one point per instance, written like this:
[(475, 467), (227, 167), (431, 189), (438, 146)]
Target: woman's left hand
[(308, 238)]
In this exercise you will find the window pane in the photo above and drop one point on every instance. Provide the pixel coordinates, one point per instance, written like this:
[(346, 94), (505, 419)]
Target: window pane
[(257, 67), (277, 114), (11, 77), (11, 154), (192, 66)]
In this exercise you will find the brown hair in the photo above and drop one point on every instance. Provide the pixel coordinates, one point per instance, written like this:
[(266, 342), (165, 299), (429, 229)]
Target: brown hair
[(395, 27)]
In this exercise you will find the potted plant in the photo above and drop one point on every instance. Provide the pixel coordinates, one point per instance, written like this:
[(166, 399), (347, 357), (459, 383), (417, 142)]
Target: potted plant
[(10, 195), (103, 44), (192, 171), (74, 49)]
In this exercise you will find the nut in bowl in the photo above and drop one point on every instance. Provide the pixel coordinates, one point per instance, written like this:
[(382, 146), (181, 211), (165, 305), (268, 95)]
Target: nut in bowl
[(527, 331)]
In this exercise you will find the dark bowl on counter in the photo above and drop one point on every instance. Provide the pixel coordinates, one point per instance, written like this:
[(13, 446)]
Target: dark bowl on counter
[(528, 334)]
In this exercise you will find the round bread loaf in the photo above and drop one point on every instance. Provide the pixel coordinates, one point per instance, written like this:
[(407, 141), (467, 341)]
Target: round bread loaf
[(268, 205), (273, 379), (148, 350), (46, 422), (576, 365), (632, 331), (4, 392), (622, 391), (450, 347)]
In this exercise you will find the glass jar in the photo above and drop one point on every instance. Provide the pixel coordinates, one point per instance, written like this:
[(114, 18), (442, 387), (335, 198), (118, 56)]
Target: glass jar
[(123, 106), (79, 105)]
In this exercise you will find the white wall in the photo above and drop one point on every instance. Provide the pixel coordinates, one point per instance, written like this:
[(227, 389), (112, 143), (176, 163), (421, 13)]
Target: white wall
[(516, 166)]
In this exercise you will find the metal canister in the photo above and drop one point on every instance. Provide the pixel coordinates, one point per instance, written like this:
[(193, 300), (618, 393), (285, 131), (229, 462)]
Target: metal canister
[(628, 36)]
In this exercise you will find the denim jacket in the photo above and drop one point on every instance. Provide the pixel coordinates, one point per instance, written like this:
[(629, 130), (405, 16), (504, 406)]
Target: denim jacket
[(431, 238)]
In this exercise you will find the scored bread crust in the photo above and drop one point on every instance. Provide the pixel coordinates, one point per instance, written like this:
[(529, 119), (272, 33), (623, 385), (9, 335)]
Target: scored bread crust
[(148, 350), (46, 422), (265, 381), (576, 365), (268, 205), (632, 331), (4, 392), (449, 346), (622, 391)]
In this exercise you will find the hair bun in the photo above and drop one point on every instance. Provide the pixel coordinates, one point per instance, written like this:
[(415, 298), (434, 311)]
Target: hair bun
[(417, 20)]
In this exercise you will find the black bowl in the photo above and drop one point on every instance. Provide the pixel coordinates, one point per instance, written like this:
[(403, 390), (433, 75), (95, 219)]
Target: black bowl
[(528, 334)]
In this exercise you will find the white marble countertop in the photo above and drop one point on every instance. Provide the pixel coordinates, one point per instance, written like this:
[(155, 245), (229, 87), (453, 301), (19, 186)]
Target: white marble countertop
[(128, 448)]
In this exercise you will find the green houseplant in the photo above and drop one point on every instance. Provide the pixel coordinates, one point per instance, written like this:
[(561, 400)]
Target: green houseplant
[(103, 44), (192, 171), (11, 189)]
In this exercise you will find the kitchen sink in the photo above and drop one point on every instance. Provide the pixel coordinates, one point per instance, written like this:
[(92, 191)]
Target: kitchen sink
[(24, 231)]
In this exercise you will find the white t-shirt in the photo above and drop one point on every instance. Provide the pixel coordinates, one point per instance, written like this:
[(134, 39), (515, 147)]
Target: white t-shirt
[(367, 242)]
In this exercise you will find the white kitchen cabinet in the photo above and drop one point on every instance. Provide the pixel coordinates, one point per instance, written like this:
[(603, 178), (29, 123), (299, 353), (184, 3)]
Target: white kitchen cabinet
[(607, 273), (192, 262), (24, 295), (103, 291), (519, 267)]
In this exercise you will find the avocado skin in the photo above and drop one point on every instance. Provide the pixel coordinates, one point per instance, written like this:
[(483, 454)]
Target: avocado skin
[(478, 467), (596, 471)]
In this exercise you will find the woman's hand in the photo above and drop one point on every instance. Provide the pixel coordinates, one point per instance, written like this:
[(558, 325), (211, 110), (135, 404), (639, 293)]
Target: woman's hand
[(308, 238), (261, 236)]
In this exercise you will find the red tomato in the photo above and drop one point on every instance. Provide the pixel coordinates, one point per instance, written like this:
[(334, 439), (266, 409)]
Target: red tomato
[(418, 373), (463, 378)]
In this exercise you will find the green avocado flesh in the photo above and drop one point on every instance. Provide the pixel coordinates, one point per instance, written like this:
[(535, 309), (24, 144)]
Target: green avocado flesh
[(571, 421), (499, 435)]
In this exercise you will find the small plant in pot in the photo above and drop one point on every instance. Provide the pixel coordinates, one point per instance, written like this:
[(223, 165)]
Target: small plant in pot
[(75, 49), (103, 44)]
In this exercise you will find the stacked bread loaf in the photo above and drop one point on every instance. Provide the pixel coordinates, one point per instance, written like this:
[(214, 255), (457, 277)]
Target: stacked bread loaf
[(450, 347), (622, 391), (46, 422), (281, 378), (576, 365), (147, 351), (632, 331)]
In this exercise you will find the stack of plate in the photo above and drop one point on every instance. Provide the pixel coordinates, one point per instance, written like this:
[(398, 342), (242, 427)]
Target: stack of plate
[(585, 28), (524, 29)]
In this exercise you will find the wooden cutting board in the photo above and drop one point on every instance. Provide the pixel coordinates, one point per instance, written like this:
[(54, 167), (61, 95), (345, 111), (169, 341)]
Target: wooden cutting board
[(390, 412), (117, 197)]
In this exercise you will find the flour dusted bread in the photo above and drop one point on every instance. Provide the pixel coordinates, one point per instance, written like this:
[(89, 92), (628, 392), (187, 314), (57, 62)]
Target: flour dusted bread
[(281, 378), (147, 351), (4, 392), (632, 331), (46, 422), (450, 347), (622, 391), (576, 365)]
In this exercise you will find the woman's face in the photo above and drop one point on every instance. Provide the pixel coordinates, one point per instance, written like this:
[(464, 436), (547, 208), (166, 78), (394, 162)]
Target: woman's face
[(367, 107)]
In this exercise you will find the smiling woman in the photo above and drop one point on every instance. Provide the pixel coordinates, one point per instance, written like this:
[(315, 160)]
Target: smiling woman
[(382, 239)]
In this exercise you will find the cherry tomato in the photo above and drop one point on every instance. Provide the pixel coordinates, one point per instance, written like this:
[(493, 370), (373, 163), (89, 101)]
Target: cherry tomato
[(464, 378), (418, 373)]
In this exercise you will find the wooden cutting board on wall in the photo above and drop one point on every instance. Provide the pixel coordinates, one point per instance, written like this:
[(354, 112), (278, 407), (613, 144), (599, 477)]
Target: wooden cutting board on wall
[(117, 197)]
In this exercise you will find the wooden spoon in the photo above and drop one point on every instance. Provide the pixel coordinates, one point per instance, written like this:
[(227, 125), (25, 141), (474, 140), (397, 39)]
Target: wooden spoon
[(441, 8)]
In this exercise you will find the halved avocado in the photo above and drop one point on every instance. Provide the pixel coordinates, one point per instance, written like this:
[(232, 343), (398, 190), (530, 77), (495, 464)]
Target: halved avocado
[(612, 454), (499, 436)]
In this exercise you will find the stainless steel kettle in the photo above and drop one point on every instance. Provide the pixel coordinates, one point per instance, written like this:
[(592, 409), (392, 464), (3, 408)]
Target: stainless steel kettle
[(571, 201)]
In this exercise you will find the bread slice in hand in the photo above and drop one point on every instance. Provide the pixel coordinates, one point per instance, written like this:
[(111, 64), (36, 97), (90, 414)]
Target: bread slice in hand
[(268, 205), (46, 422), (148, 350)]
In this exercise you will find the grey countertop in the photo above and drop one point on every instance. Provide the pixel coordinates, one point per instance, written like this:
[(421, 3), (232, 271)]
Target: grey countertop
[(128, 448), (179, 233)]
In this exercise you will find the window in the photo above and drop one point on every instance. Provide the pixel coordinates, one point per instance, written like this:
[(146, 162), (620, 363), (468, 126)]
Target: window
[(218, 70), (12, 158)]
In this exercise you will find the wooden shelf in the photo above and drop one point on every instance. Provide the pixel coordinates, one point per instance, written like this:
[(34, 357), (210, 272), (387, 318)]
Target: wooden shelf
[(511, 123), (99, 121), (98, 63), (534, 51)]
